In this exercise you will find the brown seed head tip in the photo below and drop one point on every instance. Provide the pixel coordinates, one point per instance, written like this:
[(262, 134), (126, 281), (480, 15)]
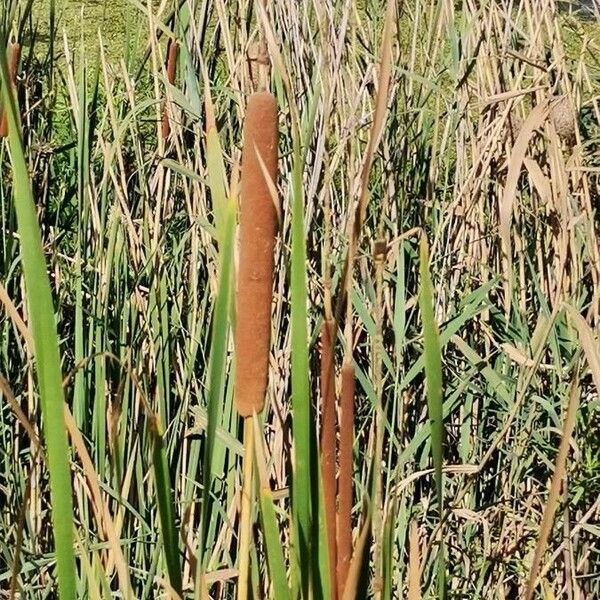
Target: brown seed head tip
[(14, 56), (380, 249), (564, 118), (258, 224), (172, 54)]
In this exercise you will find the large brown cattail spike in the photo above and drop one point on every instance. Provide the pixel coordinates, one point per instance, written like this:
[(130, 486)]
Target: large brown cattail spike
[(345, 487), (172, 53), (14, 56), (258, 227), (328, 443)]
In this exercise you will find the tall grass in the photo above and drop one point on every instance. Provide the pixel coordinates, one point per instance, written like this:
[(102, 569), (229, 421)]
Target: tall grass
[(44, 336), (472, 125)]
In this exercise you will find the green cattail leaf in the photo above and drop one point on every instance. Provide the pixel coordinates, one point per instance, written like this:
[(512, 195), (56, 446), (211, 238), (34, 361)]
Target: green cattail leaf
[(217, 369), (302, 499), (216, 179), (45, 345), (166, 508), (433, 382), (273, 546)]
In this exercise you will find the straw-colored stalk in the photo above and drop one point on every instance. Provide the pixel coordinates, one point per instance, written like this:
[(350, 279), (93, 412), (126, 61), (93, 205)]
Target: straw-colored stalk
[(414, 563), (258, 226), (328, 443), (246, 511), (558, 477), (172, 53), (14, 56), (345, 493)]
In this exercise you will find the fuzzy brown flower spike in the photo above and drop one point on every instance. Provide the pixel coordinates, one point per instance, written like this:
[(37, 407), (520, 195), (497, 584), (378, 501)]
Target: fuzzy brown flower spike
[(172, 53), (258, 226), (14, 56)]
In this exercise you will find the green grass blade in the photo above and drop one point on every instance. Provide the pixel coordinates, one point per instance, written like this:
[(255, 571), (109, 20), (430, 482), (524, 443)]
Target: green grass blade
[(388, 551), (217, 369), (301, 408), (216, 179), (321, 551), (45, 341), (166, 507), (273, 546), (433, 383)]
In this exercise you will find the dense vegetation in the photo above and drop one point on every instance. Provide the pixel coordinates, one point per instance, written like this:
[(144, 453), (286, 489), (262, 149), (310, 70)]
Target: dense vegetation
[(434, 358)]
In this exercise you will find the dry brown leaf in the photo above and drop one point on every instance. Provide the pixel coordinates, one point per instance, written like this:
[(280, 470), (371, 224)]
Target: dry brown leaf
[(589, 343), (534, 121), (516, 355), (555, 486), (540, 181), (351, 588)]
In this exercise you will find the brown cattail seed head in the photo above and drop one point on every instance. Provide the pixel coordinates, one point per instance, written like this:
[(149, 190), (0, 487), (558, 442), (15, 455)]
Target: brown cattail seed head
[(258, 225), (172, 53), (380, 250), (329, 442), (345, 487), (14, 56), (564, 119)]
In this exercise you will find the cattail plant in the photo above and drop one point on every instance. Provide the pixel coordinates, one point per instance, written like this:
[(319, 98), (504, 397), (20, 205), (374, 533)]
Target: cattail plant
[(345, 488), (14, 56), (328, 442), (172, 53), (258, 226)]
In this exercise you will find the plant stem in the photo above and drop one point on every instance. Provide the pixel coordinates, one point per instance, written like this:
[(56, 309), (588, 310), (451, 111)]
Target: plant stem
[(246, 511)]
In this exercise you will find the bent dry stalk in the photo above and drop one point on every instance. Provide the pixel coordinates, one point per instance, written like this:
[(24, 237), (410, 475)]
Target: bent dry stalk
[(258, 227)]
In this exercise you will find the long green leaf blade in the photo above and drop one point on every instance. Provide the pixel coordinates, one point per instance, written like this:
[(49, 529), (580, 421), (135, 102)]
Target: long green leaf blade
[(433, 383), (45, 341), (301, 409), (217, 368), (273, 546), (166, 507)]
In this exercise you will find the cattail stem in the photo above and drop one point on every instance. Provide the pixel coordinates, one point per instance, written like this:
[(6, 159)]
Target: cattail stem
[(377, 517), (328, 443), (414, 564), (345, 487), (172, 53), (246, 511), (14, 56)]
